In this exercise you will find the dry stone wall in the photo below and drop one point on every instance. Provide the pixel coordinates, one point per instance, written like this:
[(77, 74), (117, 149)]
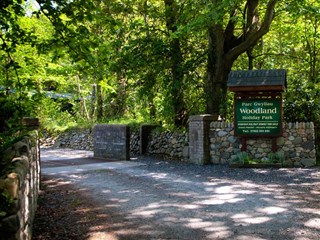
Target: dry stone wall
[(81, 139), (134, 142), (20, 186), (173, 144), (161, 143), (297, 144)]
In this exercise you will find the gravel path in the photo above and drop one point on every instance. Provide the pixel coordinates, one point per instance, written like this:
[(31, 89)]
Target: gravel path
[(150, 198)]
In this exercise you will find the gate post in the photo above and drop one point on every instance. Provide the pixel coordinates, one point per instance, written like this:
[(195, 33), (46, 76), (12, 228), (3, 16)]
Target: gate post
[(199, 141), (111, 141), (145, 131)]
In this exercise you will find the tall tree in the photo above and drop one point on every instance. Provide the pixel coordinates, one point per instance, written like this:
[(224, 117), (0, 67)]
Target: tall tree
[(83, 30), (176, 79), (15, 103), (226, 43)]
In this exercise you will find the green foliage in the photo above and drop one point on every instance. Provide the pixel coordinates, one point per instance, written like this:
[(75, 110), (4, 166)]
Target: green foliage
[(10, 113), (5, 202), (6, 141), (126, 49), (11, 131), (53, 118), (244, 158), (132, 123), (277, 157), (241, 158), (302, 103)]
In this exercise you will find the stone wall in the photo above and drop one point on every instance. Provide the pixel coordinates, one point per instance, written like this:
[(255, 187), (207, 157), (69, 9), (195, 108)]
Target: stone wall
[(173, 144), (297, 144), (77, 138), (161, 143), (134, 142), (20, 186)]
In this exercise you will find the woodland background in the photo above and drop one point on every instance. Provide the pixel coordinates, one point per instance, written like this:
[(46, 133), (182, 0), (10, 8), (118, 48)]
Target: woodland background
[(79, 62)]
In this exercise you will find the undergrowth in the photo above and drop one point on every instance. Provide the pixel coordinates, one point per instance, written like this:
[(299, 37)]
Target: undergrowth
[(245, 158)]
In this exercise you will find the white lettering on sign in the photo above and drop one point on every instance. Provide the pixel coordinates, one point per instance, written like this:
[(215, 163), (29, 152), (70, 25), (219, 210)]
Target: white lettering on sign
[(258, 111)]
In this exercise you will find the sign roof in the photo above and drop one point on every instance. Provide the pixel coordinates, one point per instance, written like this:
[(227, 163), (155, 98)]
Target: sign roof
[(276, 78)]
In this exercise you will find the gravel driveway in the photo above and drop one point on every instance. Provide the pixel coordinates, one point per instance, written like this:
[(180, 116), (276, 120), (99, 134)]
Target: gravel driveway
[(149, 198)]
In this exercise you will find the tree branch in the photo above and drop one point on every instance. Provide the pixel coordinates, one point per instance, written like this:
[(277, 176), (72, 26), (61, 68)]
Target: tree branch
[(55, 21), (11, 60), (252, 17), (229, 32), (253, 36)]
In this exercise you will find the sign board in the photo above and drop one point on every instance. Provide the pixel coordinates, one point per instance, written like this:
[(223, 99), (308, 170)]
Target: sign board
[(258, 117)]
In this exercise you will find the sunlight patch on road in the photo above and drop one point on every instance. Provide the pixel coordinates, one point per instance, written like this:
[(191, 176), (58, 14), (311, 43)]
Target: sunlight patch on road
[(310, 210), (272, 210), (313, 223), (250, 219), (149, 210), (158, 175), (119, 200), (246, 192), (217, 229), (102, 235), (247, 237), (316, 192), (220, 199), (146, 213), (182, 194), (218, 182), (256, 220), (212, 202), (224, 189), (190, 206)]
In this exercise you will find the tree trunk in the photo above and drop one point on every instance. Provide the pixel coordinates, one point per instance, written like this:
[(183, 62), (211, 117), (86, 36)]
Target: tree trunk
[(176, 58), (99, 103), (250, 58), (93, 101), (84, 109), (177, 81), (224, 48), (121, 97), (218, 69)]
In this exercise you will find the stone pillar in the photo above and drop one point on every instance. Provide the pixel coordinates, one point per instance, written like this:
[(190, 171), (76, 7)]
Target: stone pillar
[(145, 131), (199, 141), (111, 141)]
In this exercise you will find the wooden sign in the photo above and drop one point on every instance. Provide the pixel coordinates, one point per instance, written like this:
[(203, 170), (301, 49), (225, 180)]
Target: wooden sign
[(258, 103), (258, 117)]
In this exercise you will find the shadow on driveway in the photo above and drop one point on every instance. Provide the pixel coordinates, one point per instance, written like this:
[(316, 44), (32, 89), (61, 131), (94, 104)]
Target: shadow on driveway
[(148, 198)]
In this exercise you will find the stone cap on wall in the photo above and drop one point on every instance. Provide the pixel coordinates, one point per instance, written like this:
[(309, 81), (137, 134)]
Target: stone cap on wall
[(201, 118)]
